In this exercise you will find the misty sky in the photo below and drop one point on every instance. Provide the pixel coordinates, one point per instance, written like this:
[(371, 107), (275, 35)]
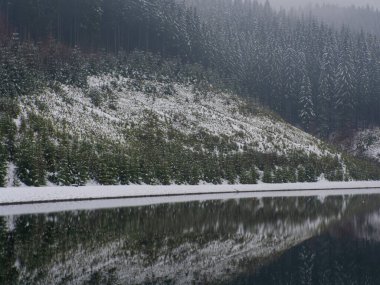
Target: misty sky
[(296, 3)]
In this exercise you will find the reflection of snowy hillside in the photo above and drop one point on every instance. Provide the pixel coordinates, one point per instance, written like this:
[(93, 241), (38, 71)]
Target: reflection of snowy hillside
[(208, 252), (189, 262)]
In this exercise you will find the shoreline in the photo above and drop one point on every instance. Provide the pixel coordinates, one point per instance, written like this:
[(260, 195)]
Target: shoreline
[(59, 194), (166, 196)]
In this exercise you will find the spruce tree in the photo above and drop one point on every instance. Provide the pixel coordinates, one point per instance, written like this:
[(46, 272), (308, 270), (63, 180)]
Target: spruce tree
[(64, 175), (267, 176), (124, 172), (307, 113), (106, 169), (362, 59), (345, 100), (249, 177), (326, 93), (301, 174), (30, 161)]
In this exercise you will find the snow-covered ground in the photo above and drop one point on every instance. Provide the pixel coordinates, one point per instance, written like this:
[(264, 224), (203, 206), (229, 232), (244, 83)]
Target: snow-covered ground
[(185, 109), (138, 195), (54, 207)]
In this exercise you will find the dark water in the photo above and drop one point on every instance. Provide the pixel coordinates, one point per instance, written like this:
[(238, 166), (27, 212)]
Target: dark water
[(306, 240)]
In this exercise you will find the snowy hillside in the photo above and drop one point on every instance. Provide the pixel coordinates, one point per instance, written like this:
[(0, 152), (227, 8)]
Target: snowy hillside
[(145, 106), (118, 130), (179, 106)]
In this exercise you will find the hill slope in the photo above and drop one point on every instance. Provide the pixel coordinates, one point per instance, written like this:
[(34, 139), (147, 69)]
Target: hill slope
[(111, 104), (129, 129)]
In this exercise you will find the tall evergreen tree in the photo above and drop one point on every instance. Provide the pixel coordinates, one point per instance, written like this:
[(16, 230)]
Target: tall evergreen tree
[(345, 101), (30, 162), (307, 114), (326, 93), (362, 59)]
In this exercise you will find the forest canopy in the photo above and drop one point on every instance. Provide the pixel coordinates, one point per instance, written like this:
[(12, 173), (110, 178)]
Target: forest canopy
[(318, 77)]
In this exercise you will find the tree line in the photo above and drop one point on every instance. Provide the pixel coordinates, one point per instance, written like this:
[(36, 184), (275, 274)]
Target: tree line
[(356, 17), (152, 156)]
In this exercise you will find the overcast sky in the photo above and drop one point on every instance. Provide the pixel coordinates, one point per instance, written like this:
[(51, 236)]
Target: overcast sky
[(296, 3)]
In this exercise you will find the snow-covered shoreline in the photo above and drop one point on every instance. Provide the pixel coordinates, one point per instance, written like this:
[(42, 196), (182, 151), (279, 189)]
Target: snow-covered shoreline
[(18, 201), (30, 195)]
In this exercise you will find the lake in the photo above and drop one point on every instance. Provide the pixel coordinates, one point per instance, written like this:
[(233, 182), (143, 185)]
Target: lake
[(278, 240)]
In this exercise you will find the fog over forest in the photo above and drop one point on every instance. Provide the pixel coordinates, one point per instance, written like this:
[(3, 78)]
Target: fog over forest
[(297, 3)]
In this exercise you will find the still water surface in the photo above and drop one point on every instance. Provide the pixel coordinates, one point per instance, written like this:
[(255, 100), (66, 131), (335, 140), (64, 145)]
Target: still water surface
[(293, 240)]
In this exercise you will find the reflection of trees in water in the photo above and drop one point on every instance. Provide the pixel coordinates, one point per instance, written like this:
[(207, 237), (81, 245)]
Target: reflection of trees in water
[(331, 260), (38, 241), (8, 272), (345, 254), (362, 226)]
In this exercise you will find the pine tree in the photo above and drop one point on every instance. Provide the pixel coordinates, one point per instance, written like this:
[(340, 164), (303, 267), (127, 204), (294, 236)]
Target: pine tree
[(30, 162), (195, 175), (64, 175), (106, 169), (301, 174), (135, 170), (249, 177), (230, 170), (163, 173), (278, 176), (291, 87), (345, 93), (326, 93), (307, 113), (310, 174), (362, 81), (79, 162), (267, 176), (124, 172)]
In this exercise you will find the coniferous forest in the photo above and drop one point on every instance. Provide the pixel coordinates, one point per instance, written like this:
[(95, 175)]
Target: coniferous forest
[(357, 18), (325, 79), (321, 78)]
